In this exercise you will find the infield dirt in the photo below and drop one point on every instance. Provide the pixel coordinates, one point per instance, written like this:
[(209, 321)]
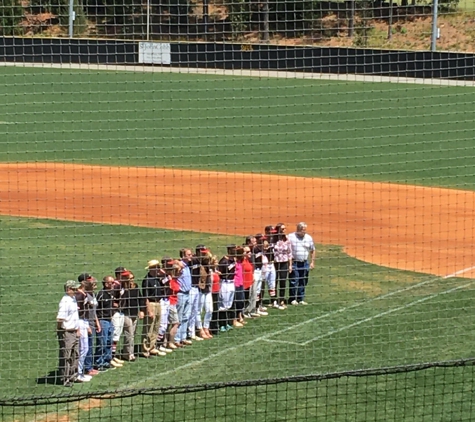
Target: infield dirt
[(414, 228)]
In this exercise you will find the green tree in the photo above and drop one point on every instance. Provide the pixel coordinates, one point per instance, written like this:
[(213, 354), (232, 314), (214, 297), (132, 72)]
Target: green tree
[(11, 14)]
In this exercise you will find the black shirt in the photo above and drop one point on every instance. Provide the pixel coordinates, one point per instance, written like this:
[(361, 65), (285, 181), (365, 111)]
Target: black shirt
[(269, 252), (105, 300), (91, 305), (195, 265), (153, 288), (227, 268), (81, 301), (132, 302), (258, 253)]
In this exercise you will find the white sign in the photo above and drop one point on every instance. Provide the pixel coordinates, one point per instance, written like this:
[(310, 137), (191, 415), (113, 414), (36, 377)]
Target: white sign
[(154, 53)]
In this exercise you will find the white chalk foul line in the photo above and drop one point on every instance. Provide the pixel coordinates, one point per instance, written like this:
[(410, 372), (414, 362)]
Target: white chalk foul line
[(382, 314), (456, 273), (267, 336)]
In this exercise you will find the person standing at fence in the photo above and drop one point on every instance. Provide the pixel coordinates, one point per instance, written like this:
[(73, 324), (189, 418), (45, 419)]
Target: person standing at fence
[(282, 262), (205, 303), (269, 271), (105, 310), (194, 322), (255, 258), (248, 279), (172, 269), (67, 331), (239, 299), (90, 286), (215, 288), (260, 265), (84, 328), (227, 267), (183, 305), (118, 315), (168, 315), (303, 260), (152, 292), (132, 305)]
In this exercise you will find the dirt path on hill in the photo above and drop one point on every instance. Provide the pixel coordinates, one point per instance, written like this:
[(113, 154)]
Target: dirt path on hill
[(408, 227)]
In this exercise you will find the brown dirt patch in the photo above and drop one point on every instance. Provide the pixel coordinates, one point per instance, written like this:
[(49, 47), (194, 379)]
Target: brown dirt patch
[(457, 33), (91, 404), (56, 417), (408, 227), (371, 289)]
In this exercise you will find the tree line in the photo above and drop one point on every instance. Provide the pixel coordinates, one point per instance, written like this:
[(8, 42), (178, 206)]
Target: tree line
[(185, 19)]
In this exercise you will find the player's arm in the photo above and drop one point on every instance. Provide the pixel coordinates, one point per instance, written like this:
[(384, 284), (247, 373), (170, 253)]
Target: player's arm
[(312, 257)]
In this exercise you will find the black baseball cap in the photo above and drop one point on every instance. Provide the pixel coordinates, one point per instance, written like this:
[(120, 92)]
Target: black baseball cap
[(270, 230), (85, 277), (120, 270), (201, 249)]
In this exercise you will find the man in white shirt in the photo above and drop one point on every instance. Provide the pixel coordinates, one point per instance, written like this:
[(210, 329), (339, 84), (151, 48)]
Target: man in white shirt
[(303, 257), (68, 335)]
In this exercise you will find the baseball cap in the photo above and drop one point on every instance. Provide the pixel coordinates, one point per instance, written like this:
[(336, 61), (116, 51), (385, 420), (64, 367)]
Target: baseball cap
[(167, 262), (201, 249), (153, 263), (231, 248), (72, 284), (85, 277), (270, 229)]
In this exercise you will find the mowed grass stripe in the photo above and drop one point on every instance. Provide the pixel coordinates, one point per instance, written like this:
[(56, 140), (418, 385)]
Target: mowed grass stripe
[(414, 134)]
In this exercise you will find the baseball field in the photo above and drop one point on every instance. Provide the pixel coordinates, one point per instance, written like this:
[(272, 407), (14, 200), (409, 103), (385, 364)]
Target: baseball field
[(102, 168)]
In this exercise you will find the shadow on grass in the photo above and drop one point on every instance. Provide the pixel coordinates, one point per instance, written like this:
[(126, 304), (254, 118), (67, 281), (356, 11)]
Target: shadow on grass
[(52, 378)]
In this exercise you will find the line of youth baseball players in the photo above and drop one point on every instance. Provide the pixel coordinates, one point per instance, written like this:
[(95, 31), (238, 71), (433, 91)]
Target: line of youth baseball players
[(180, 300)]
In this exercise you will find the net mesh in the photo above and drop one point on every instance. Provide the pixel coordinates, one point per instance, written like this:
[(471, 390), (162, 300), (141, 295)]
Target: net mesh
[(362, 23), (113, 166), (412, 392)]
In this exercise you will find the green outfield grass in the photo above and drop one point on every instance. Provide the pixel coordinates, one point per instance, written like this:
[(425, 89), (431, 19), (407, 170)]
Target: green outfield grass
[(416, 134)]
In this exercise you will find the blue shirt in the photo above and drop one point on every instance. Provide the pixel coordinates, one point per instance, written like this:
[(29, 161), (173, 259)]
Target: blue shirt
[(184, 280)]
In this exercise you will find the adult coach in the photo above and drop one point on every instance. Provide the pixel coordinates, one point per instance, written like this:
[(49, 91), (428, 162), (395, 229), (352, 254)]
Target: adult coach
[(68, 333), (152, 292), (183, 306), (303, 257)]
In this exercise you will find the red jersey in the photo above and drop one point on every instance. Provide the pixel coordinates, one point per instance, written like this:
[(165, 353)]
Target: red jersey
[(215, 282), (248, 273), (175, 288)]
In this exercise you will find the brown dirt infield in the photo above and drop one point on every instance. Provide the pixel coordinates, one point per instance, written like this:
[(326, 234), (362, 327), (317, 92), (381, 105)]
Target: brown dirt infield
[(407, 227)]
